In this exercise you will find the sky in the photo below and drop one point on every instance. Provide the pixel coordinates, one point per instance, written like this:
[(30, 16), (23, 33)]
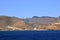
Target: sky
[(29, 8)]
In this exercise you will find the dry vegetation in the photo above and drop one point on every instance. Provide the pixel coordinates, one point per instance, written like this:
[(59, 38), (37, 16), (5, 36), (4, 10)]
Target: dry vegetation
[(35, 23)]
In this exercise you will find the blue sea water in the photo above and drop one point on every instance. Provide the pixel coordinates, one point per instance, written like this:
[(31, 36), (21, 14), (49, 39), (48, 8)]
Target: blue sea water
[(30, 35)]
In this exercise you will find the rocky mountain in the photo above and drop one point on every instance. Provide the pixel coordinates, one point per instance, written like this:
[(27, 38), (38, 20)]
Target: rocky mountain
[(34, 23), (12, 23), (44, 22)]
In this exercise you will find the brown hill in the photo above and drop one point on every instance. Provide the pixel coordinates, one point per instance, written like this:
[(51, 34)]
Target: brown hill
[(12, 23)]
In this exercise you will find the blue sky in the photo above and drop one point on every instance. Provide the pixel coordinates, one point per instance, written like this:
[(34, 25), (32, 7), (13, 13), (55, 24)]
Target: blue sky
[(29, 8)]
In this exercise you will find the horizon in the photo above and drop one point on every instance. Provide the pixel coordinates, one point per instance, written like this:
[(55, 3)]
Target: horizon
[(29, 8), (31, 17)]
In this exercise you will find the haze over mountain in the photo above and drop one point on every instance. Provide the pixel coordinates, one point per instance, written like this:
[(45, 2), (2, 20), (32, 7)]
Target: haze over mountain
[(41, 20), (15, 23)]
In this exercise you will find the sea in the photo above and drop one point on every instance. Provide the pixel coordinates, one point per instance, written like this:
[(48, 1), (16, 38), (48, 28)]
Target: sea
[(30, 35)]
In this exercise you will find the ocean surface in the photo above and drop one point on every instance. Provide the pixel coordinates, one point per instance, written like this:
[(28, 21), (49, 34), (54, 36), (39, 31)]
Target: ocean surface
[(30, 35)]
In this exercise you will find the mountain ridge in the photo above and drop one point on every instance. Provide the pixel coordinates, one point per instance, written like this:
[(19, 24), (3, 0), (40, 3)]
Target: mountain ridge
[(34, 23)]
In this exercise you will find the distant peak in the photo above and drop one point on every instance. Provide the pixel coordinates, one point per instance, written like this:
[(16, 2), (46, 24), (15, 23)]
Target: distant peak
[(43, 17), (35, 17)]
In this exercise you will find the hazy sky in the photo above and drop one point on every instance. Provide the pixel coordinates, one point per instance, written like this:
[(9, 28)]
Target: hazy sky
[(29, 8)]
